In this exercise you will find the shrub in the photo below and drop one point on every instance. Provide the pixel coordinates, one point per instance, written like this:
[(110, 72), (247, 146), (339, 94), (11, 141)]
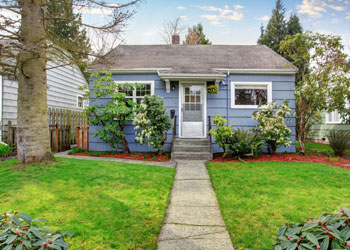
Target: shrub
[(17, 231), (330, 231), (221, 132), (244, 143), (152, 122), (271, 125), (76, 150), (5, 149), (339, 140)]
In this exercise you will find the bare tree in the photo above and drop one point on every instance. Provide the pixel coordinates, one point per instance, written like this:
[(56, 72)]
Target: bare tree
[(26, 46), (171, 28)]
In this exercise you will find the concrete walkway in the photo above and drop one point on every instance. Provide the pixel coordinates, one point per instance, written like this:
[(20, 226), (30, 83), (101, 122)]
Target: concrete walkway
[(193, 220), (166, 164)]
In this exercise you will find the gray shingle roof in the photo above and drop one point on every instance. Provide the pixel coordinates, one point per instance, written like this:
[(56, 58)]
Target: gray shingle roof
[(194, 59)]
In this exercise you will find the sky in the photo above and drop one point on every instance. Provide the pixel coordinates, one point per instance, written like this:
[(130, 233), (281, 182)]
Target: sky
[(233, 21)]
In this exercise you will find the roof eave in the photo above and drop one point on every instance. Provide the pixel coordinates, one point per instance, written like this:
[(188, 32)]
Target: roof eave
[(290, 71)]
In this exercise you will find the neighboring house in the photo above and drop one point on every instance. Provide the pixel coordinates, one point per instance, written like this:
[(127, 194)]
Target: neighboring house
[(180, 74), (62, 92), (329, 121)]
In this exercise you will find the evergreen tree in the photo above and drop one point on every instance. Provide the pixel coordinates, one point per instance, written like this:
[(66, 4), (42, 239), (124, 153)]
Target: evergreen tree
[(293, 25), (276, 28), (68, 34), (196, 36)]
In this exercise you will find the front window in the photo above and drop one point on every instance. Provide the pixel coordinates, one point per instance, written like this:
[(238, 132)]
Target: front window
[(138, 92), (333, 117), (250, 95)]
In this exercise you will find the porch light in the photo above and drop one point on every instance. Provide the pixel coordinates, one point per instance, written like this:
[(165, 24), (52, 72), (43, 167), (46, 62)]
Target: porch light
[(173, 86)]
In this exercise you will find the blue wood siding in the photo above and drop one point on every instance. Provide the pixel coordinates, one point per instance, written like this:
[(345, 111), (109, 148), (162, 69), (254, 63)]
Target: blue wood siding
[(282, 88)]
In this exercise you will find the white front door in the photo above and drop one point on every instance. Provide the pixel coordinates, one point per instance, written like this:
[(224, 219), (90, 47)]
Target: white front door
[(193, 107)]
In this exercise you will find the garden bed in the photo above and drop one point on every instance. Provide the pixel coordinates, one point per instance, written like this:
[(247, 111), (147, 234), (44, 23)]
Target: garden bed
[(134, 156), (343, 162)]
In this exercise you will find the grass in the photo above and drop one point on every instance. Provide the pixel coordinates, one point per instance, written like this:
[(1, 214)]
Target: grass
[(323, 148), (257, 198), (107, 205)]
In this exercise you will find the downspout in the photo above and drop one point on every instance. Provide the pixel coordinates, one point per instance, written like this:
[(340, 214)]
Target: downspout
[(227, 95)]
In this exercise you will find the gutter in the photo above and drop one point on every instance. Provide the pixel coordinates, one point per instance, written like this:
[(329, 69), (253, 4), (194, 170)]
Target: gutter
[(130, 70), (258, 71)]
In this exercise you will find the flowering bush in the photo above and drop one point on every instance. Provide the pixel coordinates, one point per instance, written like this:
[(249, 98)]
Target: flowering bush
[(271, 125), (330, 231), (18, 232), (212, 89), (152, 122), (221, 133)]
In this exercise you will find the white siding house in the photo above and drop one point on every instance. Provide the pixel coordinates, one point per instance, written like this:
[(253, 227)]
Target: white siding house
[(63, 92)]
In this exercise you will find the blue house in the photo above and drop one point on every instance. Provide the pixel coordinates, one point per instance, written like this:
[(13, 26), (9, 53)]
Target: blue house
[(246, 76)]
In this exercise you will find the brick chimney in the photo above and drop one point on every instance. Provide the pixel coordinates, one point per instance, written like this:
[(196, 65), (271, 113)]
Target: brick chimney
[(176, 39)]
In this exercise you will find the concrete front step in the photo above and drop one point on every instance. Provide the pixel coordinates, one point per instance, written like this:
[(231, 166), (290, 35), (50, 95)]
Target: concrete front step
[(191, 148), (179, 155), (192, 142)]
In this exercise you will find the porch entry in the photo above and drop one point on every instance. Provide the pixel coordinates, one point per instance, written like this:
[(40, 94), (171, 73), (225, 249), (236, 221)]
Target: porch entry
[(193, 109)]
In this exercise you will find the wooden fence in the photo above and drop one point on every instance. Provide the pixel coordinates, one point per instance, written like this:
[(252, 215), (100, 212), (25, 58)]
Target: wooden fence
[(62, 125), (83, 137)]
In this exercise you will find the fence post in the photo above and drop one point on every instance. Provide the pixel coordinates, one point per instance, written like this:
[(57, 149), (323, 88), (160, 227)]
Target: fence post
[(56, 141), (9, 130)]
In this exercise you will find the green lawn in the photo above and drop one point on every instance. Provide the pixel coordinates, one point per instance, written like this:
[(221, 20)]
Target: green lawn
[(107, 205), (256, 198), (319, 147)]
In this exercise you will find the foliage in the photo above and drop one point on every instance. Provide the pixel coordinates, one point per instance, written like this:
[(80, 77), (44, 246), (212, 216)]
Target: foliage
[(277, 27), (271, 125), (76, 150), (244, 143), (196, 36), (212, 89), (321, 63), (109, 197), (152, 122), (330, 231), (221, 132), (17, 231), (5, 149), (339, 140), (113, 116), (262, 196), (69, 35)]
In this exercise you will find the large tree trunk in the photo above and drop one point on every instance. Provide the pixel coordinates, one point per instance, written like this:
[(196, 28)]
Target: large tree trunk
[(33, 141)]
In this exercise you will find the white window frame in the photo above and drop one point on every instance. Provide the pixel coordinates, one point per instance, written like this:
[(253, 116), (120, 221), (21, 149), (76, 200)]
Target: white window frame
[(134, 97), (233, 94), (78, 102), (328, 114)]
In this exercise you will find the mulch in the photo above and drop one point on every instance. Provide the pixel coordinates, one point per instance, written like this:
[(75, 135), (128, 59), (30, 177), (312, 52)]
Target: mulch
[(343, 162), (134, 156)]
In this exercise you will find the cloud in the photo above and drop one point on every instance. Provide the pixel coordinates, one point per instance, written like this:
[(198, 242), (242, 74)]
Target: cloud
[(316, 8), (335, 20), (234, 14), (183, 17), (347, 16), (180, 7), (9, 14), (263, 18)]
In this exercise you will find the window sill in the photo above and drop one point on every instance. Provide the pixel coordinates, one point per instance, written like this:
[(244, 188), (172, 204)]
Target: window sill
[(335, 123), (247, 107)]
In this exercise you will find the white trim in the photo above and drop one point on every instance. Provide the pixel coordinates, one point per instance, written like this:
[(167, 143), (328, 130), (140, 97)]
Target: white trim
[(333, 123), (130, 70), (78, 95), (258, 71), (269, 94), (181, 83)]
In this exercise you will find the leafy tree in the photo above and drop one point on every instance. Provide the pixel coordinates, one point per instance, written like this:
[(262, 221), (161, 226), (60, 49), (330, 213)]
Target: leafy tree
[(152, 122), (323, 80), (113, 116), (196, 36), (221, 133), (27, 45), (68, 32), (277, 27)]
